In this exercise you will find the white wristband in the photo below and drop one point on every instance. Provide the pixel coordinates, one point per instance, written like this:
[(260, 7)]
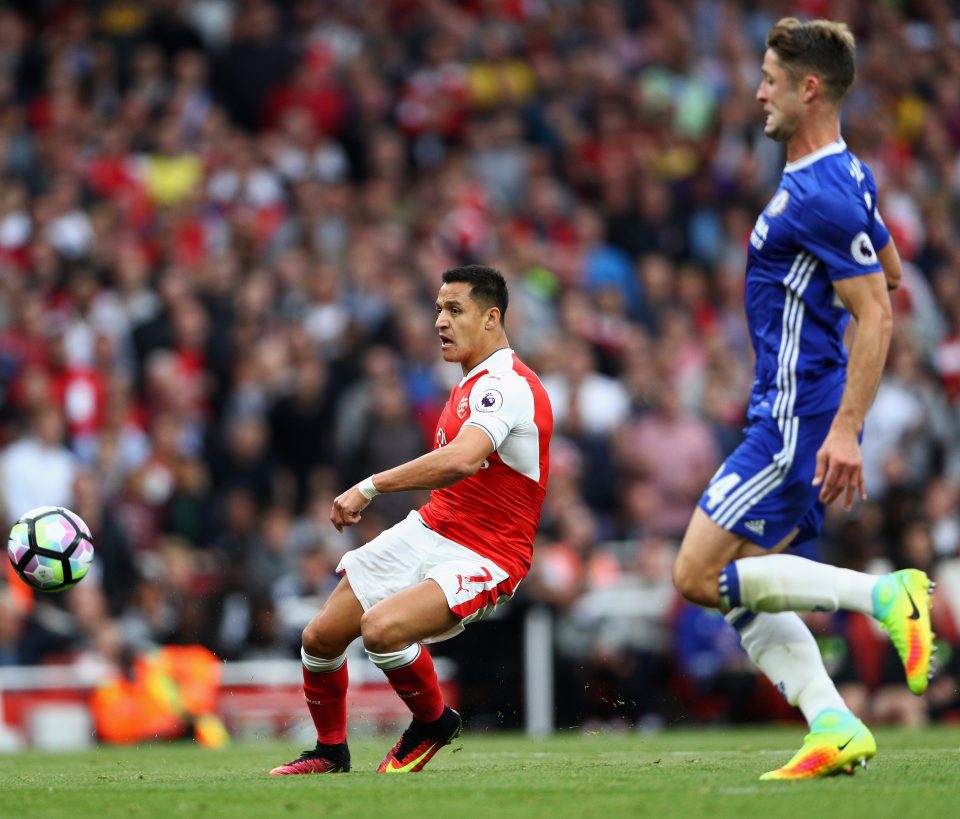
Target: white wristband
[(367, 489)]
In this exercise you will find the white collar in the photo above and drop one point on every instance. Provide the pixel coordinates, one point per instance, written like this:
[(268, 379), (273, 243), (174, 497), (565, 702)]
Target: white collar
[(501, 359), (833, 148)]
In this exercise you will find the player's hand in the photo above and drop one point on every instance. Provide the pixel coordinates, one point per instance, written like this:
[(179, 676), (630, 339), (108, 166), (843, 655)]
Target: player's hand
[(347, 507), (839, 469)]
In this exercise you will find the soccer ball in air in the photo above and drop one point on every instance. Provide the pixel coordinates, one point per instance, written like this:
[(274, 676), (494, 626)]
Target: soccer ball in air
[(50, 547)]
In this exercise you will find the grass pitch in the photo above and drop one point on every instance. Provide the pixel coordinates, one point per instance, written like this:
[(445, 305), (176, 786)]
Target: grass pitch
[(688, 773)]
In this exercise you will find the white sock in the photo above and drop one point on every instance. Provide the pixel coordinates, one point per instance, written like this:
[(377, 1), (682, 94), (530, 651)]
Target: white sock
[(320, 665), (791, 583), (395, 659), (783, 648)]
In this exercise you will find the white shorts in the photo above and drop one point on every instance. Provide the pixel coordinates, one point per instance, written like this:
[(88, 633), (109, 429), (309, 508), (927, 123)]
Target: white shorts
[(409, 553)]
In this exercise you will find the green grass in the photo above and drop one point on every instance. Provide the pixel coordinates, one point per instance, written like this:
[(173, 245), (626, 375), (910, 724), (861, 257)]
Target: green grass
[(688, 773)]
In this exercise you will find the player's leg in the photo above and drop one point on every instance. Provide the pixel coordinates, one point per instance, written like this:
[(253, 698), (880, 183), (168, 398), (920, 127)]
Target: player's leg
[(705, 551), (899, 601), (779, 644), (325, 641), (457, 587), (761, 493), (761, 579), (392, 631), (783, 648)]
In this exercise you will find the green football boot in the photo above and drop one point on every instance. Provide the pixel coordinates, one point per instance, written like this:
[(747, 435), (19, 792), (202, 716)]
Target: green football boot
[(901, 602), (837, 742)]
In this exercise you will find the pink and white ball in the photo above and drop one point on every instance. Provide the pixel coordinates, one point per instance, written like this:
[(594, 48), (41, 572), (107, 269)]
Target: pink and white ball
[(50, 547)]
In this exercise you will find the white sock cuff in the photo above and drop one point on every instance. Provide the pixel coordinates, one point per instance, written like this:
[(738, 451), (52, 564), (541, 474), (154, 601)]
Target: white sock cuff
[(319, 665), (395, 659)]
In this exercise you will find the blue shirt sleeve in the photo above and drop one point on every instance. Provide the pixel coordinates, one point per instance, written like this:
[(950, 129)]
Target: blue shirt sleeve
[(878, 230), (841, 229)]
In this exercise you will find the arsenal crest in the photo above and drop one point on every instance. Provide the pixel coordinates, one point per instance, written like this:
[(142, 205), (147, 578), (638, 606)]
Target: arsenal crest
[(462, 407)]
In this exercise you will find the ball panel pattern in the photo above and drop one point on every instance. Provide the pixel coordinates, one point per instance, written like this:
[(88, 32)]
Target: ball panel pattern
[(50, 548)]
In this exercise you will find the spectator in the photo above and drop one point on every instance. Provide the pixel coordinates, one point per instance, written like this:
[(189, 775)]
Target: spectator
[(585, 402), (255, 60), (673, 450), (37, 470)]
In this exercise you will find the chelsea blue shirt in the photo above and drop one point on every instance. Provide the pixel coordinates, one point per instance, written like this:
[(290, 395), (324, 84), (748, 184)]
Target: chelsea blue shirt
[(821, 226)]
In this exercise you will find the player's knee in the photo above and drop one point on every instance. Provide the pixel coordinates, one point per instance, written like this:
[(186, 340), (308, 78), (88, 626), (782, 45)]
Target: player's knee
[(378, 633), (694, 584), (317, 643)]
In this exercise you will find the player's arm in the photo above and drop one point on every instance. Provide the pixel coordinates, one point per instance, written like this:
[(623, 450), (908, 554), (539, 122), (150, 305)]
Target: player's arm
[(889, 259), (839, 463), (440, 467), (459, 459)]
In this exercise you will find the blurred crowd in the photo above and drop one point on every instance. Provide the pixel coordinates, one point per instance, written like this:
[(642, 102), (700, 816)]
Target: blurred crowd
[(222, 229)]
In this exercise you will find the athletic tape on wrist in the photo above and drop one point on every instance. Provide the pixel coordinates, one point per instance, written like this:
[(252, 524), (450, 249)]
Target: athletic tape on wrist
[(367, 488)]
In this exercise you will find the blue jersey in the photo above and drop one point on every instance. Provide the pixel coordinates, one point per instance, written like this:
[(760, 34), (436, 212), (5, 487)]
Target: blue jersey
[(821, 225)]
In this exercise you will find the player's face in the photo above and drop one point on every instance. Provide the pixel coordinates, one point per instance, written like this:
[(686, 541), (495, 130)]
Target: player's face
[(780, 99), (461, 323)]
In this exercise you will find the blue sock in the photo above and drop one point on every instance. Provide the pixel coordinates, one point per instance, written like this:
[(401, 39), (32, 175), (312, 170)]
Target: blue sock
[(730, 587), (741, 618)]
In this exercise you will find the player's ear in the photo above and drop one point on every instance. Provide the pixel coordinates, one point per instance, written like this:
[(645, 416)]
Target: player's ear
[(493, 318), (810, 87)]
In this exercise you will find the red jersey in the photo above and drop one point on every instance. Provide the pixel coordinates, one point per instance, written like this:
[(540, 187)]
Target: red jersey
[(495, 512)]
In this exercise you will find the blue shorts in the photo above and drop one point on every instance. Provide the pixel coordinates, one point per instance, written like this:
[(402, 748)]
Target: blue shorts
[(763, 491)]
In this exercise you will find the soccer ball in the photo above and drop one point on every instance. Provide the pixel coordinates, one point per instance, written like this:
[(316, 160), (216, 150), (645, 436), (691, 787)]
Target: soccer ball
[(50, 548)]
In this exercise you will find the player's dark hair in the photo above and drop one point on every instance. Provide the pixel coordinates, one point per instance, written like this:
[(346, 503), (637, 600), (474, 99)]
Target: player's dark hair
[(821, 47), (488, 288)]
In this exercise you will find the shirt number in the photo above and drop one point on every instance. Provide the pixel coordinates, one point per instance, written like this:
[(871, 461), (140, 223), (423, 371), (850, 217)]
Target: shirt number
[(719, 489)]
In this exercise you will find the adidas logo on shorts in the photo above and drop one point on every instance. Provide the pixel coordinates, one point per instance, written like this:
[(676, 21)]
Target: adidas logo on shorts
[(755, 526)]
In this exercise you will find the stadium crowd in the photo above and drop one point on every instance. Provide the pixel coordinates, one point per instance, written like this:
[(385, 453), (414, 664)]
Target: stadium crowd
[(222, 227)]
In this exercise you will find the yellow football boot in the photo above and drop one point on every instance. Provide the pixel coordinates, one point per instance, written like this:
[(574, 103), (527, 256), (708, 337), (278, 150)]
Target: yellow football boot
[(836, 743), (901, 602)]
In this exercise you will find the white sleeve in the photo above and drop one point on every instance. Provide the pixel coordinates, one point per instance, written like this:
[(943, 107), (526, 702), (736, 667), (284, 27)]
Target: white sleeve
[(499, 404)]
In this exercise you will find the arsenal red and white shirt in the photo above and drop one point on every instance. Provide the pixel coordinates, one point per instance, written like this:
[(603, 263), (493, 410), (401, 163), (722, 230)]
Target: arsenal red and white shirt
[(495, 512)]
